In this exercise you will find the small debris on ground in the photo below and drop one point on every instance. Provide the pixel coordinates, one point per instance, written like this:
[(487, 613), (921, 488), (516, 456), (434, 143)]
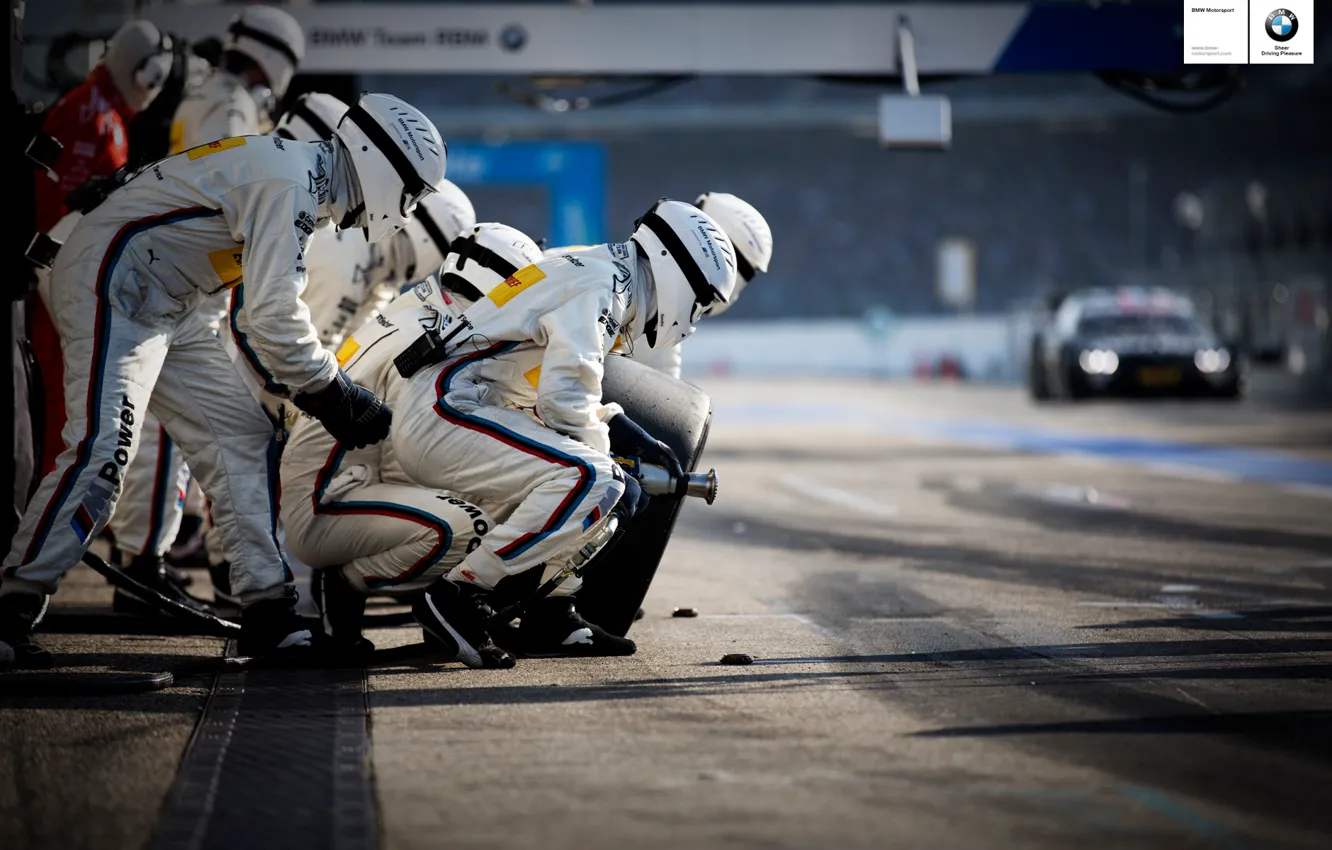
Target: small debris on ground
[(737, 658), (684, 612)]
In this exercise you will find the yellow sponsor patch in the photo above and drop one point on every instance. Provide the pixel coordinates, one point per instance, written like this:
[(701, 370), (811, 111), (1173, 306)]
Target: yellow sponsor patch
[(214, 147), (177, 141), (347, 349), (227, 265), (521, 279), (533, 376)]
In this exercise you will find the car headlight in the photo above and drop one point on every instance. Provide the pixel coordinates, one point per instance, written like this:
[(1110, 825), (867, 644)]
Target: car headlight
[(1099, 361), (1212, 360)]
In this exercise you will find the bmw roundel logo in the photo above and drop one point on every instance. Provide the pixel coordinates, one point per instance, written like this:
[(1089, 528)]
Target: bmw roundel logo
[(513, 37), (1282, 25)]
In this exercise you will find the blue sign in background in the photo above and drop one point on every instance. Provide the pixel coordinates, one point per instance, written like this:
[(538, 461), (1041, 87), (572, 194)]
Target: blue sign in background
[(572, 173)]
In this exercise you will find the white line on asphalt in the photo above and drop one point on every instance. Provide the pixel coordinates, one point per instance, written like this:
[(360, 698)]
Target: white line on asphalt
[(1316, 490), (1080, 457), (1125, 605), (834, 496), (1197, 473), (1178, 588)]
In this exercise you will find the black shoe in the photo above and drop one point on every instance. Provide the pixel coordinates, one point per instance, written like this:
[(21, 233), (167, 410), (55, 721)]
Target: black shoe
[(456, 614), (271, 628), (553, 628), (175, 575), (150, 571), (225, 602), (19, 613), (342, 608)]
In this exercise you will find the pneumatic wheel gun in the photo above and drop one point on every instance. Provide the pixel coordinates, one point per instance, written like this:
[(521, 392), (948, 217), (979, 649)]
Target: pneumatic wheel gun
[(657, 481)]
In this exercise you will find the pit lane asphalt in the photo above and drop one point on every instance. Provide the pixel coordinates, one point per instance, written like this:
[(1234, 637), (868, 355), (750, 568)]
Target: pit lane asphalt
[(976, 623)]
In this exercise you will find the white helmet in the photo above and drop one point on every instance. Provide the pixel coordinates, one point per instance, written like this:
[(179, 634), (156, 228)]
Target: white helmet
[(139, 58), (312, 118), (484, 258), (440, 218), (749, 233), (562, 250), (693, 267), (273, 39), (398, 156)]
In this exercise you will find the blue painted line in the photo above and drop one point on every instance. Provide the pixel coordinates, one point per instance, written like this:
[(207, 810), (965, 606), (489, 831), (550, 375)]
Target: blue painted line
[(1261, 465), (1163, 804)]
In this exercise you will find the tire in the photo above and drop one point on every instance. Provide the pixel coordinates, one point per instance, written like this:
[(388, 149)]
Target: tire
[(1038, 386), (1075, 389), (678, 414)]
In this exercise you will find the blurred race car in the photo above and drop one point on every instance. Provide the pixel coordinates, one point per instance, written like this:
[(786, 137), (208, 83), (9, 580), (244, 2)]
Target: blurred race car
[(1130, 341)]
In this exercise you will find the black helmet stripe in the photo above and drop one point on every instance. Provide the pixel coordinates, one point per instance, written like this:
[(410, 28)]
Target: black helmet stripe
[(303, 111), (704, 292), (411, 181), (240, 29), (468, 248), (422, 215)]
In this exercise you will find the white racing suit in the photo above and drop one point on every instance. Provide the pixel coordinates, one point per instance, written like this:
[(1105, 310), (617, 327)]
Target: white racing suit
[(668, 360), (126, 288), (355, 510), (153, 495), (347, 276), (513, 420)]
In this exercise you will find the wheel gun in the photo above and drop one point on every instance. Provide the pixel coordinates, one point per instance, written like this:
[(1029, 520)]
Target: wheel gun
[(657, 481)]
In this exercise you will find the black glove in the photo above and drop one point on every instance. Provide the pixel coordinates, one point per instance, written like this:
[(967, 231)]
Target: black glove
[(352, 414), (633, 502), (628, 439)]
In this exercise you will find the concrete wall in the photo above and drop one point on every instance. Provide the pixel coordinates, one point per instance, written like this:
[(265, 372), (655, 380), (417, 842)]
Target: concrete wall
[(983, 345)]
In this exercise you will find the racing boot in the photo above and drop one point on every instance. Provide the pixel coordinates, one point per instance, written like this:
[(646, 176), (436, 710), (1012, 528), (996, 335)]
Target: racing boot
[(456, 615), (553, 628), (19, 613), (150, 571), (342, 608), (271, 628), (226, 603), (175, 574)]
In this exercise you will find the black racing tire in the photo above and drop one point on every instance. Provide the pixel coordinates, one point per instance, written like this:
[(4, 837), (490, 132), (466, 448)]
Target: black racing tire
[(1038, 385), (679, 414), (1075, 387), (1038, 378)]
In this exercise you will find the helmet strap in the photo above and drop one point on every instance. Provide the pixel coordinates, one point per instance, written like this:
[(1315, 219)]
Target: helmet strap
[(351, 217), (743, 268), (344, 195)]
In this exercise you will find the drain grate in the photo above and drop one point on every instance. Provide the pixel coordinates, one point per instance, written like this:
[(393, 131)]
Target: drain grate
[(281, 758)]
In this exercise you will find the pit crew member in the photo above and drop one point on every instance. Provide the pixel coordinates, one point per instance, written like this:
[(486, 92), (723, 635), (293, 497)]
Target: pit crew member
[(236, 213), (513, 422)]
